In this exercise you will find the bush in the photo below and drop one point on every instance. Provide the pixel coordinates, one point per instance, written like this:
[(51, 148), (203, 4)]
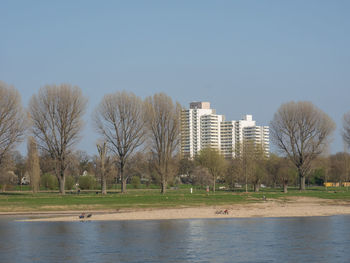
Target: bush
[(48, 181), (136, 182), (317, 177), (69, 183), (87, 182)]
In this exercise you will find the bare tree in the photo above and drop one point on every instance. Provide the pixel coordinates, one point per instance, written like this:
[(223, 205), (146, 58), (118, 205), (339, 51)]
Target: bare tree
[(7, 176), (202, 176), (258, 174), (346, 132), (254, 164), (272, 167), (286, 172), (233, 172), (281, 170), (119, 120), (138, 165), (33, 164), (56, 113), (12, 119), (338, 163), (215, 163), (302, 132), (141, 165), (163, 119), (102, 152)]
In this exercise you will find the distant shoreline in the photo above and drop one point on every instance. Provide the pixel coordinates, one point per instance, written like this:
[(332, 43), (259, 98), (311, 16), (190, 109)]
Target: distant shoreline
[(291, 207)]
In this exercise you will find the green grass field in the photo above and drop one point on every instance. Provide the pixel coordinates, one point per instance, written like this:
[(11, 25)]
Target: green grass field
[(25, 201)]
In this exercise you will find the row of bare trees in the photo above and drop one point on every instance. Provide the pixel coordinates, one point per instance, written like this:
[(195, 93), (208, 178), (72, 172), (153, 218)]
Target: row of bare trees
[(253, 167), (241, 174), (128, 125), (122, 119), (252, 171)]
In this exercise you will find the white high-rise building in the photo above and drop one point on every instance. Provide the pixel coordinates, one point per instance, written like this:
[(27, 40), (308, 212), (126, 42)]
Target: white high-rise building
[(259, 135), (201, 127), (191, 142), (210, 131), (228, 138)]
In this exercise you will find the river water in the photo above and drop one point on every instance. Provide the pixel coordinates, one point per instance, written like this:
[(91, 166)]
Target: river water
[(303, 239)]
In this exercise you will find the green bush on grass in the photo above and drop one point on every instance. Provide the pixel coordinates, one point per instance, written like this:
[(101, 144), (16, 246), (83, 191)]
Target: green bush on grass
[(48, 181), (87, 182), (70, 182), (136, 182)]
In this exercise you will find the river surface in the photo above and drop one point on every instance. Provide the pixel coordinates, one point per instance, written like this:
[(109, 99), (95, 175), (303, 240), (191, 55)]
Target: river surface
[(303, 239)]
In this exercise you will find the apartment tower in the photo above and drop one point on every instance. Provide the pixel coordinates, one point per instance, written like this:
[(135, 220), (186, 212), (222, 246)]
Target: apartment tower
[(201, 127)]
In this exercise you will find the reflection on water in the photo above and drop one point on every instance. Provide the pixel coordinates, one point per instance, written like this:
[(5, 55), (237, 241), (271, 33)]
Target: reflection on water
[(312, 239)]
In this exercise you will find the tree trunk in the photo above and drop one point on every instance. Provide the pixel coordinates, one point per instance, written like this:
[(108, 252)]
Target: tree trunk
[(103, 185), (123, 180), (34, 189), (256, 187), (124, 185), (285, 187), (101, 148), (302, 182), (214, 184), (36, 182), (246, 183), (163, 185), (61, 180), (60, 174)]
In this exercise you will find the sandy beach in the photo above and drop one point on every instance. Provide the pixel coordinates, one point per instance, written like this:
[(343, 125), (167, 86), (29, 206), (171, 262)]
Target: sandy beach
[(292, 207)]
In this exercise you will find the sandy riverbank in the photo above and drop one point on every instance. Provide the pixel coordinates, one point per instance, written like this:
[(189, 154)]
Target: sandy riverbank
[(292, 207)]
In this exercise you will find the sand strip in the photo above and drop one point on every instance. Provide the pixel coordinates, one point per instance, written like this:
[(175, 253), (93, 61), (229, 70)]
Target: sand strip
[(293, 207)]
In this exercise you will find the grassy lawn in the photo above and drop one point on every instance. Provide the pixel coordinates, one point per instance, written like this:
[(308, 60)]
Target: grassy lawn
[(16, 201), (26, 201)]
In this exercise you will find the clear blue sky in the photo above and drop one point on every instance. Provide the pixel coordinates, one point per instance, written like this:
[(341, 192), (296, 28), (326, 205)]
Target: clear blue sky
[(245, 57)]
